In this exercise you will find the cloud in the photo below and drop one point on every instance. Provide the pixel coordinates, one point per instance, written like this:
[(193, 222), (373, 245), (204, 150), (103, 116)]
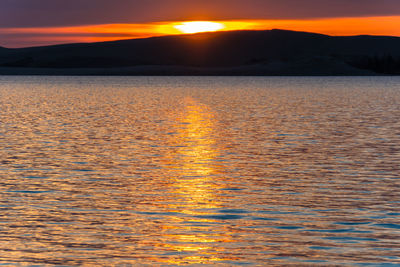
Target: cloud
[(44, 13), (33, 36)]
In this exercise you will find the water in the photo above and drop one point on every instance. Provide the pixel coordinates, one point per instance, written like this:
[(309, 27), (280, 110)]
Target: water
[(223, 171)]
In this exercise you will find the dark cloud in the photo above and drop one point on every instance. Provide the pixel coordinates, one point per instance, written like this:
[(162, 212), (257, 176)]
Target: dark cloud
[(25, 13)]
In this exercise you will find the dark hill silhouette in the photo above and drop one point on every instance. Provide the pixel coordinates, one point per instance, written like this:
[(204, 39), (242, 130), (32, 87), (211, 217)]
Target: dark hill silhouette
[(274, 52)]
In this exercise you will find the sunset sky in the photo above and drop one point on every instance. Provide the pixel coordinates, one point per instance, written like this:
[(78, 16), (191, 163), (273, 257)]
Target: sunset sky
[(42, 22)]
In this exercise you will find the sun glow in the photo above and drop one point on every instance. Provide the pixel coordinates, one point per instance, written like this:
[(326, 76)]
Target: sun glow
[(33, 36), (199, 26)]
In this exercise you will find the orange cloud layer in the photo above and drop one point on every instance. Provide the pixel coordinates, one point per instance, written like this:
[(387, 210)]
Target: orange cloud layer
[(19, 37)]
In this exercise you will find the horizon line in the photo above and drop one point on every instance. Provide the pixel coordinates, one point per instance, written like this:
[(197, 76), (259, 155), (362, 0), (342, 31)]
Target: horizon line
[(199, 33), (49, 36)]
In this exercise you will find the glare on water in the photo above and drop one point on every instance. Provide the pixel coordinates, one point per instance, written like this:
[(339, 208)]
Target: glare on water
[(199, 170)]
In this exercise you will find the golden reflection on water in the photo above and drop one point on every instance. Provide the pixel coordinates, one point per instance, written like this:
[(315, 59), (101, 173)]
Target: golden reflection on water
[(192, 174), (194, 141), (258, 171)]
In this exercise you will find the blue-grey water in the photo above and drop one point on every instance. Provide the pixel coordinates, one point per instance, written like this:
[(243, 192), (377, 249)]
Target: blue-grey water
[(167, 171)]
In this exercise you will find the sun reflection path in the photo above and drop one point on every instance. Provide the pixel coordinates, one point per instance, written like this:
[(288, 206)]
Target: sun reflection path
[(193, 173), (193, 161)]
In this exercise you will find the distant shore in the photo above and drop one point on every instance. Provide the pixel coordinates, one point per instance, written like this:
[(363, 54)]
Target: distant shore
[(238, 53), (253, 70)]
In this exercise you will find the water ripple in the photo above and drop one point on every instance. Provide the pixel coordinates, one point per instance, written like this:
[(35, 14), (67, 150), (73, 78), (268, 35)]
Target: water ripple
[(104, 171)]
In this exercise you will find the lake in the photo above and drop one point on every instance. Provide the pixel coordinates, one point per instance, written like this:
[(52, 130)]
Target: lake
[(225, 171)]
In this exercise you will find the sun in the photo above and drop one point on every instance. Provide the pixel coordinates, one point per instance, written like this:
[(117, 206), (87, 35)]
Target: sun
[(199, 26)]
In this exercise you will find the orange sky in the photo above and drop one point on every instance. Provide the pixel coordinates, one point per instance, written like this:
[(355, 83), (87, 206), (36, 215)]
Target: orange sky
[(20, 37)]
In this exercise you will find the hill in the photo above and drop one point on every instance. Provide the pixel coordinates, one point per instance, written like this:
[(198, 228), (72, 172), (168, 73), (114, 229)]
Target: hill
[(273, 52)]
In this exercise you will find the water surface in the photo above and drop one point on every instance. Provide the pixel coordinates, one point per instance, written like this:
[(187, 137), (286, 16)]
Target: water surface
[(223, 171)]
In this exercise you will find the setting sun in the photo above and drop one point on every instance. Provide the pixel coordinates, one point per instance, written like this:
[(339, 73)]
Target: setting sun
[(199, 26)]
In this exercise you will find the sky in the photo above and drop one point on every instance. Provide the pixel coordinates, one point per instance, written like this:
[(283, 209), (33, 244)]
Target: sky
[(43, 22)]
